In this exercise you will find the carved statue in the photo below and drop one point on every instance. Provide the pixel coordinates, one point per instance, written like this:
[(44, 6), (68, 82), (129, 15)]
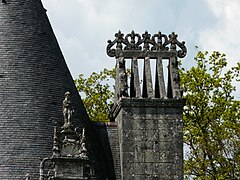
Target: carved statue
[(67, 110)]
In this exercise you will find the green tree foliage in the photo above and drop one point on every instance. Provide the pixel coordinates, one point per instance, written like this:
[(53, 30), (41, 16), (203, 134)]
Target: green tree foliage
[(211, 119), (211, 115), (96, 93)]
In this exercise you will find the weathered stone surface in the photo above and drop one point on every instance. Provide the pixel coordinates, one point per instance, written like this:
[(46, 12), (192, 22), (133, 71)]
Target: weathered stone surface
[(159, 46), (150, 138), (109, 150)]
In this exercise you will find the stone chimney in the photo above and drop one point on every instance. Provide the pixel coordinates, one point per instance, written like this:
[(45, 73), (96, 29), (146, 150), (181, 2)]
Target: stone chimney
[(149, 115)]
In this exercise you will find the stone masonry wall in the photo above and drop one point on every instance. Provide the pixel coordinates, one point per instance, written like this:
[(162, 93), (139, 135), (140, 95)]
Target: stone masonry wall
[(150, 137), (108, 138)]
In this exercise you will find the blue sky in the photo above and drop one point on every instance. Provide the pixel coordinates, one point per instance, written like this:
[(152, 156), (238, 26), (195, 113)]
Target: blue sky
[(83, 27)]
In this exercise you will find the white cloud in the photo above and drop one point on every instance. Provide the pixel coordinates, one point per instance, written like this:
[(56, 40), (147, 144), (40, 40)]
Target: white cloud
[(224, 36), (84, 26)]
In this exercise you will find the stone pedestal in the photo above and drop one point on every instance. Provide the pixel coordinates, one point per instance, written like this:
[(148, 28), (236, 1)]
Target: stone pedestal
[(72, 168)]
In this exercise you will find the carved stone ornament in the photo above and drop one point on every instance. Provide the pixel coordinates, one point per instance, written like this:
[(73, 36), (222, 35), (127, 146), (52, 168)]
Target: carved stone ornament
[(73, 145), (157, 48), (145, 43), (70, 156), (70, 149)]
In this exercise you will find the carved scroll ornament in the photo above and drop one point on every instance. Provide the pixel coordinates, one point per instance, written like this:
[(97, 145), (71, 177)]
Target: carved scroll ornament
[(156, 43)]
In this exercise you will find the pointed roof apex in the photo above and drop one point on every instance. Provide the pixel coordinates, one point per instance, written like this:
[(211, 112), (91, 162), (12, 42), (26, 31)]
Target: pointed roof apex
[(33, 78)]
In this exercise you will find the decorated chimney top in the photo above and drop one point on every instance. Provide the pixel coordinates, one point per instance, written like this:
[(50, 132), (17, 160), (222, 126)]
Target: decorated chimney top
[(158, 47)]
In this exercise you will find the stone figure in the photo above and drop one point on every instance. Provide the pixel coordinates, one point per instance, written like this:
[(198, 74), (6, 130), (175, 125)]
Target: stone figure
[(123, 79), (67, 110)]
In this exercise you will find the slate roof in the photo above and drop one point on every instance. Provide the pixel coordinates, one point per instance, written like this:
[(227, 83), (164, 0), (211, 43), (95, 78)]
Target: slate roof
[(33, 79)]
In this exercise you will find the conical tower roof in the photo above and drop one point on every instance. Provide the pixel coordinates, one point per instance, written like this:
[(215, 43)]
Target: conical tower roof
[(33, 80)]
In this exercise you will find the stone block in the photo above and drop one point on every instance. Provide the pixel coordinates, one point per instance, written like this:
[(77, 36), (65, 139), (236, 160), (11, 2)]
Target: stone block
[(139, 135), (152, 135), (151, 156), (139, 124), (138, 157), (128, 145), (166, 134), (143, 168), (135, 147), (127, 134), (152, 124), (165, 146), (128, 168), (128, 157), (166, 156)]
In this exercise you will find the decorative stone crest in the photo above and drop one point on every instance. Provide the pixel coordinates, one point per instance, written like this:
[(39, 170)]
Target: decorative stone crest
[(146, 43)]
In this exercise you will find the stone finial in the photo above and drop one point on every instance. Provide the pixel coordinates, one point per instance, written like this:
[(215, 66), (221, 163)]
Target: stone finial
[(67, 112), (55, 149), (83, 148)]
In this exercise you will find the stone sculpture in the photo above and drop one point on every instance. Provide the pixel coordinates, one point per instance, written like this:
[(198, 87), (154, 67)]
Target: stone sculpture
[(159, 47), (70, 155), (67, 111)]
